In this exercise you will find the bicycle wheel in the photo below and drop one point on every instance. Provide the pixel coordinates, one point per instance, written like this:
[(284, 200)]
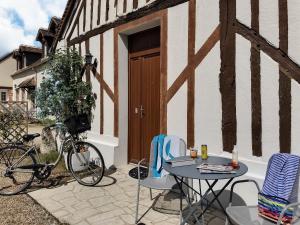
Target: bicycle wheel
[(16, 179), (86, 164)]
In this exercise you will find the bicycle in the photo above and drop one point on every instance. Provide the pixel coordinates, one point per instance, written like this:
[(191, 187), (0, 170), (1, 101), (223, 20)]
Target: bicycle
[(19, 165)]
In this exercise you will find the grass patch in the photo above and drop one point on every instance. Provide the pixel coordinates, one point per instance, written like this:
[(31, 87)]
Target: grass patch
[(50, 157)]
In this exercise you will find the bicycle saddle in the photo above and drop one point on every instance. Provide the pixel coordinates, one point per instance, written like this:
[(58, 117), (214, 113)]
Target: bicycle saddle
[(30, 137)]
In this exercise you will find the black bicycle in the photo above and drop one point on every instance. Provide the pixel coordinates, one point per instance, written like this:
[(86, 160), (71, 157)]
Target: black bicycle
[(20, 164)]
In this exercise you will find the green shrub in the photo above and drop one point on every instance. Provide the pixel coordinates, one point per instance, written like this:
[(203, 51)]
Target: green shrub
[(62, 92)]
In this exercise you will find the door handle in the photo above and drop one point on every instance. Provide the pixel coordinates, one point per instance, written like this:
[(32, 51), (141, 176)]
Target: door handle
[(141, 111), (136, 110)]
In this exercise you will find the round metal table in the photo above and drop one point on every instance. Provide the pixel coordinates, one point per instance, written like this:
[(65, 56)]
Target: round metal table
[(180, 173)]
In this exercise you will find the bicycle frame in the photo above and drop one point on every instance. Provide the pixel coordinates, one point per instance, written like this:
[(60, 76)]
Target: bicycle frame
[(65, 141)]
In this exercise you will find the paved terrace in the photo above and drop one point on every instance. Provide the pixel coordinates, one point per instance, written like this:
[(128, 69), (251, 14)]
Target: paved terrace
[(113, 202)]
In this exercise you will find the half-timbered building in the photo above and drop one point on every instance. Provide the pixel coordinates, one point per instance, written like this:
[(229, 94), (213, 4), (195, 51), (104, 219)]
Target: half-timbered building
[(31, 63), (219, 72)]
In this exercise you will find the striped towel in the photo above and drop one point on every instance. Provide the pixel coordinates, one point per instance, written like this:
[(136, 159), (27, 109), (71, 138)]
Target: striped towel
[(164, 148), (270, 208), (282, 177), (280, 187)]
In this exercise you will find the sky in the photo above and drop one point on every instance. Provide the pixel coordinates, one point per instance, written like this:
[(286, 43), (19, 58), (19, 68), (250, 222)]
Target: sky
[(21, 19)]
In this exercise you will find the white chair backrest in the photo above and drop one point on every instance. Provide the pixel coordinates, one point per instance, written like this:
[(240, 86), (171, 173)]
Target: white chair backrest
[(182, 152)]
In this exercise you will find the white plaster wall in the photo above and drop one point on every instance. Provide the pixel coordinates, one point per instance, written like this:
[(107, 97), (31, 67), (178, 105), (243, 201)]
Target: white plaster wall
[(108, 58), (112, 11), (294, 29), (120, 8), (94, 49), (177, 113), (142, 3), (208, 108), (268, 19), (88, 15), (243, 97), (80, 23), (294, 52), (103, 12), (295, 118), (41, 73), (122, 153), (243, 11), (108, 115), (61, 44), (77, 47), (177, 41), (74, 34), (95, 13), (129, 6), (270, 106), (207, 19)]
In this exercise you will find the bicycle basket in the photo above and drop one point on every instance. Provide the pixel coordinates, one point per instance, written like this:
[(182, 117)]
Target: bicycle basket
[(78, 124)]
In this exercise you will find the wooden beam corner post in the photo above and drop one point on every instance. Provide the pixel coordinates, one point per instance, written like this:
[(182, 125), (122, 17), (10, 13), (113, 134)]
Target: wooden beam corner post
[(116, 84), (227, 73), (284, 83), (255, 85), (191, 78), (101, 87), (164, 69)]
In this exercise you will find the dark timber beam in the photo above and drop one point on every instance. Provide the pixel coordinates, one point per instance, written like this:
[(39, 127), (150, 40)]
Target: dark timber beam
[(107, 10), (135, 4), (288, 66), (149, 9), (101, 87), (125, 6), (191, 78), (87, 51), (84, 16), (255, 85), (284, 83), (99, 12), (227, 73), (92, 14)]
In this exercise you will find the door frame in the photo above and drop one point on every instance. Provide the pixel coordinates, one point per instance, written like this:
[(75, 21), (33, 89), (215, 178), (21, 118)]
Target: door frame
[(121, 53), (131, 56)]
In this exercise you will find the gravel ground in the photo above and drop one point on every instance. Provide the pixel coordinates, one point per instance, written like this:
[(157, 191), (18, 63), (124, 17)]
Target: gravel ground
[(23, 210)]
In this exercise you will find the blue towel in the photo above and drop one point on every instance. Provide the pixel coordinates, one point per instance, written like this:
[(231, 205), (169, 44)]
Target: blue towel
[(160, 151), (282, 177)]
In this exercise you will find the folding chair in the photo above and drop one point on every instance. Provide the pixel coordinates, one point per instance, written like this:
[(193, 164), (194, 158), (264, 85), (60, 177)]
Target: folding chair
[(249, 215), (163, 183)]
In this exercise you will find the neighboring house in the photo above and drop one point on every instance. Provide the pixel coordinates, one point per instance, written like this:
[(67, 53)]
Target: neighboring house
[(212, 72), (7, 67), (31, 62)]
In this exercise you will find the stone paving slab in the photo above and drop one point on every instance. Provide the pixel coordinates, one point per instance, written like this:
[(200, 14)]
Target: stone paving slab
[(112, 202)]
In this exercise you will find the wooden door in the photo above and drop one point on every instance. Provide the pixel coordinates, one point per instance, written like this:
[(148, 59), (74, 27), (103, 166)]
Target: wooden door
[(144, 101)]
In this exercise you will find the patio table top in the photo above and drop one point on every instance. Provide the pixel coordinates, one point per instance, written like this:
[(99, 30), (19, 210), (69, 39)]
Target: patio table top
[(191, 171)]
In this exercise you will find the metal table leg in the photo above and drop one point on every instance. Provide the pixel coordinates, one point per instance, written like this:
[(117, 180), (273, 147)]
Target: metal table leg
[(180, 184)]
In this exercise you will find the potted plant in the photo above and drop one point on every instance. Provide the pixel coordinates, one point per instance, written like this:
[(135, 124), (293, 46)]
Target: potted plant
[(63, 93)]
